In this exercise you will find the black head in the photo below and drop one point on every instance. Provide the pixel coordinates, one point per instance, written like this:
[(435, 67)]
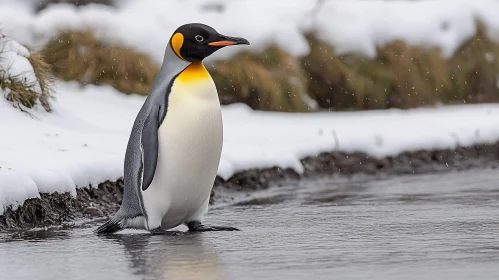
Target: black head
[(194, 42)]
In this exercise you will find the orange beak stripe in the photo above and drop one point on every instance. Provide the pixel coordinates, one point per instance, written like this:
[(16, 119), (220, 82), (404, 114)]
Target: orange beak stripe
[(221, 43)]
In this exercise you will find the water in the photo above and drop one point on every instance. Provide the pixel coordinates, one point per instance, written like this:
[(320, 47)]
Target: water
[(440, 226)]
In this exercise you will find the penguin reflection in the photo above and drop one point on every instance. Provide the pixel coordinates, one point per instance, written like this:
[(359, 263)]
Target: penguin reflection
[(182, 256)]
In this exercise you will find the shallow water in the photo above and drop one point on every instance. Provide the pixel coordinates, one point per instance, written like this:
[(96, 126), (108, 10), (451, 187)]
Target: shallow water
[(439, 226)]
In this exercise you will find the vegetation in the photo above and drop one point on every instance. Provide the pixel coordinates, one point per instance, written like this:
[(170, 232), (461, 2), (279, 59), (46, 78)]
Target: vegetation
[(81, 57), (403, 76), (400, 76), (270, 80), (24, 94), (474, 70)]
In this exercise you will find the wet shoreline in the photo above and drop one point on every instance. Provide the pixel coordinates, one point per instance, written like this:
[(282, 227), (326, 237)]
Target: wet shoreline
[(56, 208)]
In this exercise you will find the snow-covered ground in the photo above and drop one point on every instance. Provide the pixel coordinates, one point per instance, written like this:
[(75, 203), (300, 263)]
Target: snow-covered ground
[(349, 25), (83, 141)]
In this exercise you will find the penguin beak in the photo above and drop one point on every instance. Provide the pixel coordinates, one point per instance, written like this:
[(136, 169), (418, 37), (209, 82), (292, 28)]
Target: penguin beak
[(229, 41)]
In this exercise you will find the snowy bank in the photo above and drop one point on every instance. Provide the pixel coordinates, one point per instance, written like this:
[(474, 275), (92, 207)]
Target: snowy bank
[(350, 26), (83, 140)]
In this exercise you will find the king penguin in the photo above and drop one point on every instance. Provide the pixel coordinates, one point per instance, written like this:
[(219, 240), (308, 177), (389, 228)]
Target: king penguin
[(175, 145)]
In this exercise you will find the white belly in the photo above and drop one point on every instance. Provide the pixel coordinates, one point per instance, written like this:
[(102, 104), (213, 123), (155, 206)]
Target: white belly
[(190, 144)]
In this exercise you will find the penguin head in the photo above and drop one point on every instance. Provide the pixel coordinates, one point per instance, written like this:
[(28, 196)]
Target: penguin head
[(194, 42)]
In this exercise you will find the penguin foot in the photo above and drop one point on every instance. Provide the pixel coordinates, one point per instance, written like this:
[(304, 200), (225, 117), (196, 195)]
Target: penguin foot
[(157, 231), (196, 226)]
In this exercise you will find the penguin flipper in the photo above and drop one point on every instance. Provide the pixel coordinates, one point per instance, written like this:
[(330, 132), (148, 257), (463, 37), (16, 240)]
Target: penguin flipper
[(149, 144)]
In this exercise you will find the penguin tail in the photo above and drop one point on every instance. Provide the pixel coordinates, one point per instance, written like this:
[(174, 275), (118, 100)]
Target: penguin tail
[(113, 225)]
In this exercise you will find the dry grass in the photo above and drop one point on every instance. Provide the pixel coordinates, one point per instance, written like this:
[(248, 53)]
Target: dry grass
[(18, 93), (80, 56), (272, 80), (45, 79), (474, 70), (23, 94), (400, 76)]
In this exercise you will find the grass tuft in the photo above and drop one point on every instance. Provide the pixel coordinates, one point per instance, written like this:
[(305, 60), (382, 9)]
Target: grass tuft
[(271, 80), (400, 76), (45, 79), (79, 56), (25, 94), (474, 69)]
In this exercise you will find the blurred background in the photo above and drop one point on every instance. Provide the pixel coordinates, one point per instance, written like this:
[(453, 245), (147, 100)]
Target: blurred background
[(306, 55)]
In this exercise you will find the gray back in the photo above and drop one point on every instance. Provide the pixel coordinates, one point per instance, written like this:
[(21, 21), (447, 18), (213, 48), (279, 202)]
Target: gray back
[(132, 205)]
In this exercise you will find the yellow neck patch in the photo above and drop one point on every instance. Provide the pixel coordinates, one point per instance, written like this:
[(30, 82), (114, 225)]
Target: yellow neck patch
[(176, 43), (193, 73)]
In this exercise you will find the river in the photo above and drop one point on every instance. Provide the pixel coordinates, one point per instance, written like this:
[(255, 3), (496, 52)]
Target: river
[(433, 226)]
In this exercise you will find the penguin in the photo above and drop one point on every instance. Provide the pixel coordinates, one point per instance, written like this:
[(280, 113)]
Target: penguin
[(174, 149)]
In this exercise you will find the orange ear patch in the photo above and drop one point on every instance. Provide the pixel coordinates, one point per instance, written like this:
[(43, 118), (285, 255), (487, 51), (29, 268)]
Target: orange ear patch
[(176, 43)]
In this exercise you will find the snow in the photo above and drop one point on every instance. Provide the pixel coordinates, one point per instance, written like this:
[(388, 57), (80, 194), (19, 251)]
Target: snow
[(82, 142), (256, 139), (350, 26), (14, 61)]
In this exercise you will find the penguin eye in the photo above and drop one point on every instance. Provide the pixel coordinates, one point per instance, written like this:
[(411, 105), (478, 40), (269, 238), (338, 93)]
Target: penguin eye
[(199, 38)]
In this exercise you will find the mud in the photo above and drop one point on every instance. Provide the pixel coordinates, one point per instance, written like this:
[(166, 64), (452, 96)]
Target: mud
[(58, 209)]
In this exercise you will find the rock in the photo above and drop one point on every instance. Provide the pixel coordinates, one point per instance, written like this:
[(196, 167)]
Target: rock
[(92, 211)]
